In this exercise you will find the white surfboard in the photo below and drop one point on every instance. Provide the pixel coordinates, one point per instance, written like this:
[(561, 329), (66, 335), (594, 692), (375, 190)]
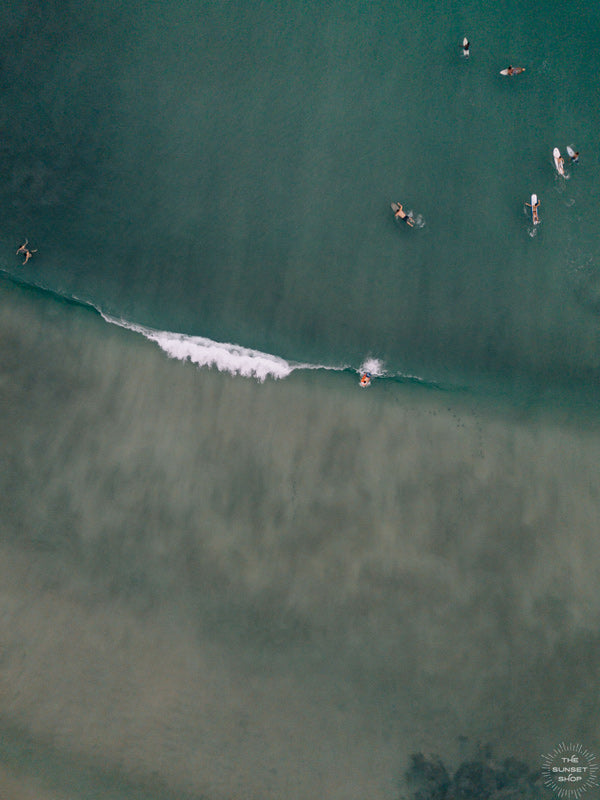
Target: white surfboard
[(558, 162), (466, 47), (515, 71), (534, 215), (572, 154)]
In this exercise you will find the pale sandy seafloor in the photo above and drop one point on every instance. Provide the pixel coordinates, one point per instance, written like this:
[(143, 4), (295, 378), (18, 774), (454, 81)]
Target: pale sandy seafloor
[(213, 587)]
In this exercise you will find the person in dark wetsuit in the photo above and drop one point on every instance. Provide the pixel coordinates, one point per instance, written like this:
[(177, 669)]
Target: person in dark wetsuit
[(466, 46)]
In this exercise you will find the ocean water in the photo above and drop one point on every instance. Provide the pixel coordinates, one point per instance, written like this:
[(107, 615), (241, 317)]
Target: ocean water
[(226, 570)]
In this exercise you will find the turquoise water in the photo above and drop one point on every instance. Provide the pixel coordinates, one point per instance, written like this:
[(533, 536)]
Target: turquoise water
[(228, 585), (225, 170)]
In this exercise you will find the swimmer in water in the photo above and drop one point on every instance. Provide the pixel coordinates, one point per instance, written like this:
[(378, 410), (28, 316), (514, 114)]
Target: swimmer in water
[(401, 214), (24, 250)]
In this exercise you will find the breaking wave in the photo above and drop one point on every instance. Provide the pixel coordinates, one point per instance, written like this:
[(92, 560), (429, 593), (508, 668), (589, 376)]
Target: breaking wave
[(225, 357), (232, 358)]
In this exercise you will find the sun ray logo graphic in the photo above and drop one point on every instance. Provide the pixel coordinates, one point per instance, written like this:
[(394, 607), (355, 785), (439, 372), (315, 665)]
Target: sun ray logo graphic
[(570, 770)]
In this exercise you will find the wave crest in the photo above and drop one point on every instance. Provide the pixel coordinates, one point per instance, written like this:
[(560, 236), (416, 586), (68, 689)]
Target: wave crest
[(204, 352)]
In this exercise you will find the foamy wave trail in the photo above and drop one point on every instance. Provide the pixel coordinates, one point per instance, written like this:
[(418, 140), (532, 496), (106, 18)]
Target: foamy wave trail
[(204, 352)]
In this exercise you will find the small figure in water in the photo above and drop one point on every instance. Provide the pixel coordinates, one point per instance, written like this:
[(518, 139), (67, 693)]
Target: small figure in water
[(466, 46), (514, 70), (574, 157), (24, 250), (534, 211), (401, 214), (365, 379)]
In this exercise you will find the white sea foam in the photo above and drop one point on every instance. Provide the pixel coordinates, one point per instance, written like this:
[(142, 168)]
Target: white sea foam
[(225, 357), (373, 366)]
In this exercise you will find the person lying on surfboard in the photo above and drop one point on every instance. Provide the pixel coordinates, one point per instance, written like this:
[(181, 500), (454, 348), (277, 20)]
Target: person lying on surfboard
[(534, 211), (466, 45), (560, 164), (514, 70), (573, 155), (401, 214)]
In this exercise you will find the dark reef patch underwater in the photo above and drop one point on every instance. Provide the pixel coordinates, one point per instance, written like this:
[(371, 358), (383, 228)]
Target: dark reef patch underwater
[(482, 778)]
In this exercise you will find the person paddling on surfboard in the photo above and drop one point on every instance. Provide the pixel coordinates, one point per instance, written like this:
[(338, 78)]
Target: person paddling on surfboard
[(466, 46), (534, 209), (559, 162), (512, 70), (400, 213), (573, 155)]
